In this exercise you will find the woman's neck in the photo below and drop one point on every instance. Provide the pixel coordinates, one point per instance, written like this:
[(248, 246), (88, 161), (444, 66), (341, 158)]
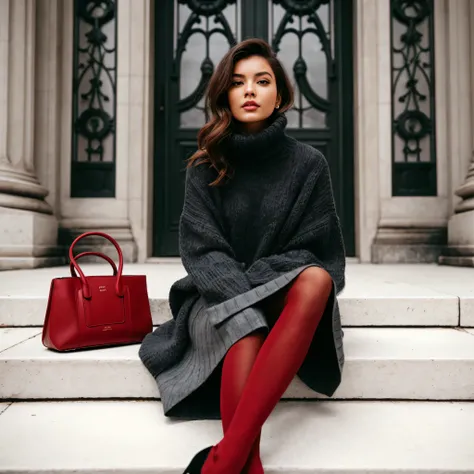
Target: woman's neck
[(250, 128), (259, 146)]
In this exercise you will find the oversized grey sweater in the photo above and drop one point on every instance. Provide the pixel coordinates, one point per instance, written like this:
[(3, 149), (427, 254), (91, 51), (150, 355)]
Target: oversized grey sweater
[(276, 214)]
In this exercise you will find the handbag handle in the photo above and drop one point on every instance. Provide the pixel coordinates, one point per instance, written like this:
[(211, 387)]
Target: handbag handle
[(85, 286), (97, 254)]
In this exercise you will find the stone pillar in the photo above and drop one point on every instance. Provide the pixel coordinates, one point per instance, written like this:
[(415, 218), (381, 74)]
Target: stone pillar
[(460, 248), (28, 229), (135, 118), (369, 128)]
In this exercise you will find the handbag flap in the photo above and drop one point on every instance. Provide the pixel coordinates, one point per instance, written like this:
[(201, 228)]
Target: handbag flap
[(104, 307)]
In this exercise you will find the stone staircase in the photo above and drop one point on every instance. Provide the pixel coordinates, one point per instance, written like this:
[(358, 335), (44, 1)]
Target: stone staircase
[(405, 404)]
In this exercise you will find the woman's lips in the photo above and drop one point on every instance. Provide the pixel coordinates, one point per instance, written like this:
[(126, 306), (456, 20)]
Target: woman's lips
[(250, 108)]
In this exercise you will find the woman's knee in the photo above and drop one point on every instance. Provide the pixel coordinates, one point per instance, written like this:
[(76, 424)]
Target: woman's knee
[(314, 281)]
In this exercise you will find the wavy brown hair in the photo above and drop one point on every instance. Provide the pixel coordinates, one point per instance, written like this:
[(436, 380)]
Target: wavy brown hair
[(219, 126)]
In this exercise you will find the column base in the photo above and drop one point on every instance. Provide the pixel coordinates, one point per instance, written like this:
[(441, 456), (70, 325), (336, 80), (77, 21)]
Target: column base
[(460, 251), (123, 236), (28, 240), (21, 190), (408, 245)]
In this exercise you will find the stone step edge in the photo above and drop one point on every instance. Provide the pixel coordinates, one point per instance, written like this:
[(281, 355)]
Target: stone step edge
[(355, 311), (298, 438), (380, 364)]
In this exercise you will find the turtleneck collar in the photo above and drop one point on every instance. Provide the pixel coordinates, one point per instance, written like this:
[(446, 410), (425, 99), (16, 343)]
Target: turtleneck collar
[(257, 146)]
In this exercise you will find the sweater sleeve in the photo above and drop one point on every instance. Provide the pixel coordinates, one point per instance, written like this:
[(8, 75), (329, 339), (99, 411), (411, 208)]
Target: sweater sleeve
[(316, 239), (205, 252)]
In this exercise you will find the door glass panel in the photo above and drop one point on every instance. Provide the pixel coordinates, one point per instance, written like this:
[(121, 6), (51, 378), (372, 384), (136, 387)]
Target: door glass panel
[(206, 32), (301, 36)]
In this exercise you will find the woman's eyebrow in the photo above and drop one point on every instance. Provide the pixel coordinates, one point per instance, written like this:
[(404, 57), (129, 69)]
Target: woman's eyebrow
[(263, 73)]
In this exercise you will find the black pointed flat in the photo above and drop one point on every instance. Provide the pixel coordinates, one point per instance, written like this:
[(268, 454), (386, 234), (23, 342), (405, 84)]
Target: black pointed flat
[(197, 462)]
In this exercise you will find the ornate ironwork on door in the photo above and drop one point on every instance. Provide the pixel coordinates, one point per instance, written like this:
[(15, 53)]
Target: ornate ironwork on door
[(312, 38), (311, 20), (206, 20), (413, 100), (94, 98)]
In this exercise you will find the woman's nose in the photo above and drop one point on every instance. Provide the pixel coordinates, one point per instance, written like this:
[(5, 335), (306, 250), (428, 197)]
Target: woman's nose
[(249, 89)]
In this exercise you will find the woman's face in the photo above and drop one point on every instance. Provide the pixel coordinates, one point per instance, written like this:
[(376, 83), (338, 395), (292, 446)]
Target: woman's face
[(253, 94)]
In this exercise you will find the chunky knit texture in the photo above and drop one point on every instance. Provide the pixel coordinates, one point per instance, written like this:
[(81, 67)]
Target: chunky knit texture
[(274, 216)]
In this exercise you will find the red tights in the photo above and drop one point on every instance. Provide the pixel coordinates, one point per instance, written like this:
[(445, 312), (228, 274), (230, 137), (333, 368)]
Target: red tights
[(257, 372)]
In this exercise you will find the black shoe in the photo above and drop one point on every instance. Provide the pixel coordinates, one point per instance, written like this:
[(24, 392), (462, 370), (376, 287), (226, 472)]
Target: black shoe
[(198, 461)]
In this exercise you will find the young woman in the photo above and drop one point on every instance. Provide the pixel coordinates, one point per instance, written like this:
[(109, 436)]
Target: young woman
[(261, 242)]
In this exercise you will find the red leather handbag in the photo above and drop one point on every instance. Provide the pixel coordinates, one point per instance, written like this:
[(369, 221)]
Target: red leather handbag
[(96, 311)]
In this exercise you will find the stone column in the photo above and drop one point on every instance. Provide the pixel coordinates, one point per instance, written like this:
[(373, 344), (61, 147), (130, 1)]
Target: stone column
[(460, 248), (28, 229), (135, 119), (368, 126)]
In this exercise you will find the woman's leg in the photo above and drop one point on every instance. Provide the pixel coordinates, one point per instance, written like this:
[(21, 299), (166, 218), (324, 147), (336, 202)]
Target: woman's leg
[(279, 359), (238, 363), (236, 369)]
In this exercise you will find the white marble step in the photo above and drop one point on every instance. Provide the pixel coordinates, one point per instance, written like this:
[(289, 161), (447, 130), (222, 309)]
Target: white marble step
[(381, 363), (127, 437), (375, 295)]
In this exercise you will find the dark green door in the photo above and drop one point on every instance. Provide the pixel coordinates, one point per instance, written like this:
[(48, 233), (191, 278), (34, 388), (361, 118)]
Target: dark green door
[(313, 39)]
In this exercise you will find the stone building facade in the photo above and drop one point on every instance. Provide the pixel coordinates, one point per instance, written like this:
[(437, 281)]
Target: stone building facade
[(100, 102)]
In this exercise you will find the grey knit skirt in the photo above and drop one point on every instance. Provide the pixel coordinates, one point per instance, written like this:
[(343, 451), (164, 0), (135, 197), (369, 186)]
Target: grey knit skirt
[(190, 388)]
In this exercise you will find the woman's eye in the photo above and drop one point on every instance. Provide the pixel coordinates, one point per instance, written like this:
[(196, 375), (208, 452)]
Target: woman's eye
[(238, 83)]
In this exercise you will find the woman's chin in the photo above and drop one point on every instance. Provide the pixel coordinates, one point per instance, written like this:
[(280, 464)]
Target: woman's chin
[(251, 116), (247, 119)]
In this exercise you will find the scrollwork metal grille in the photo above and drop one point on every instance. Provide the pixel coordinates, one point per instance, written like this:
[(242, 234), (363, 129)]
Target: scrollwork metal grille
[(94, 98), (302, 34), (206, 30), (413, 98)]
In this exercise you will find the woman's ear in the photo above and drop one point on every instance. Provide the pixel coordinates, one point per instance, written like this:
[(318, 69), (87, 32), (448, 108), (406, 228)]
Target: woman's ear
[(278, 102)]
